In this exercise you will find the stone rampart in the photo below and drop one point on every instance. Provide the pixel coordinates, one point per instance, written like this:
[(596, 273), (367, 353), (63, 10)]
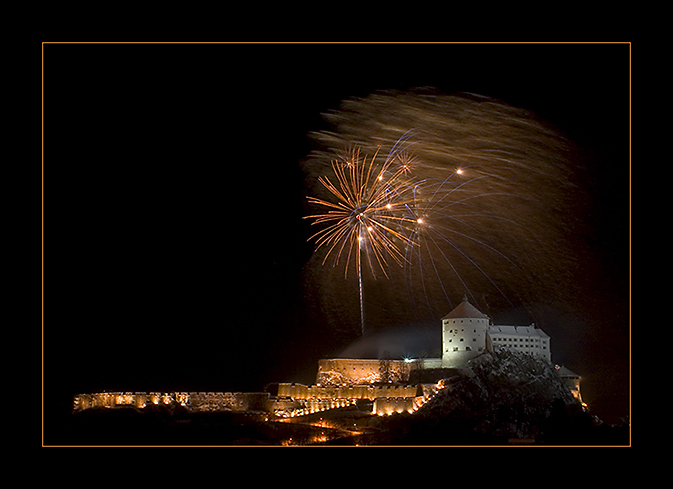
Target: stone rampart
[(386, 406), (354, 371), (371, 392), (228, 401), (292, 399), (288, 408), (127, 399), (192, 401)]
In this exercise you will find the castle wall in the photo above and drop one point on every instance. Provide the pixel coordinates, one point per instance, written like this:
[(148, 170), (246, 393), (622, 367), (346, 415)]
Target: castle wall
[(292, 399), (228, 401), (426, 363), (192, 401), (127, 399), (371, 392), (386, 406), (458, 359), (287, 408), (353, 371)]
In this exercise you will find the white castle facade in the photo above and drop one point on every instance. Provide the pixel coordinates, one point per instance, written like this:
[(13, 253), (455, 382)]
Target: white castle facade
[(466, 334)]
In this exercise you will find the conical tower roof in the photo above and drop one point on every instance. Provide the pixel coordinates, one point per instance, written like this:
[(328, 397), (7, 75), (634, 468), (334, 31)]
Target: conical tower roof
[(465, 310)]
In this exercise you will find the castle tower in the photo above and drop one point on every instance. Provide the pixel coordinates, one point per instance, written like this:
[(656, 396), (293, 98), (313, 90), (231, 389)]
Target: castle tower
[(464, 335)]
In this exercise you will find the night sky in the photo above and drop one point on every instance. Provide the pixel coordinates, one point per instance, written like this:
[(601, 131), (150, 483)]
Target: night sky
[(174, 246)]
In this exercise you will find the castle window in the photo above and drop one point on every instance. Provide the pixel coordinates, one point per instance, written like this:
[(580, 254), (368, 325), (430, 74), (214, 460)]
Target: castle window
[(450, 340), (474, 339), (462, 339), (455, 348), (467, 348)]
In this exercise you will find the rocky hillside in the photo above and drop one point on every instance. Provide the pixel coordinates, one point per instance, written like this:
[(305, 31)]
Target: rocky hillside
[(503, 396)]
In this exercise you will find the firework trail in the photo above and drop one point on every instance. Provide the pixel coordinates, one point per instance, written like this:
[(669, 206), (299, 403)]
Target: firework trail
[(439, 196), (372, 210)]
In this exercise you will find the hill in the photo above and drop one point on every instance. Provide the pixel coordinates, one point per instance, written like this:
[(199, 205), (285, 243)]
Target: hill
[(504, 397)]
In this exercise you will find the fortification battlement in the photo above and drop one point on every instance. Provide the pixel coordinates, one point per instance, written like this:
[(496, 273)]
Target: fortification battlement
[(356, 371), (370, 392), (192, 401), (291, 399)]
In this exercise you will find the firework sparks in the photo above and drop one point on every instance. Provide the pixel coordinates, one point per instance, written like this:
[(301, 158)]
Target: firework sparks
[(373, 210), (472, 202), (373, 213), (381, 211)]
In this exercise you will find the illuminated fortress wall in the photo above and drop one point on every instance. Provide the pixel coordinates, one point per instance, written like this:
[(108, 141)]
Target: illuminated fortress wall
[(228, 401), (386, 406), (291, 399), (126, 399), (192, 401), (371, 392), (353, 371)]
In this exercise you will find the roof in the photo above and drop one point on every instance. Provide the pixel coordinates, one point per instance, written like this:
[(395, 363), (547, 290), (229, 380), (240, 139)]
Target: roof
[(566, 372), (465, 310), (518, 330)]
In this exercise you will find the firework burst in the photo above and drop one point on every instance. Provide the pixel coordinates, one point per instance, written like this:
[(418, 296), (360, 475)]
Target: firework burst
[(380, 212), (473, 202), (372, 211)]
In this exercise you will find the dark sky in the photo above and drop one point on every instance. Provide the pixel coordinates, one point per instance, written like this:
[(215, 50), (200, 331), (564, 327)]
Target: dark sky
[(173, 196)]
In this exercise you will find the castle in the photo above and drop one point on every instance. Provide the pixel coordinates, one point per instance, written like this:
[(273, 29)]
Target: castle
[(466, 333), (385, 386)]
